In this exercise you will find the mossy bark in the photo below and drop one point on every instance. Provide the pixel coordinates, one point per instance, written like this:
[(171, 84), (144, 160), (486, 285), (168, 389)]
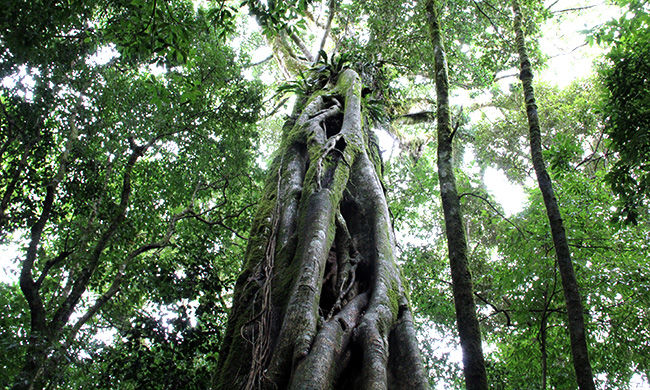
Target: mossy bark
[(320, 303), (575, 310), (466, 319)]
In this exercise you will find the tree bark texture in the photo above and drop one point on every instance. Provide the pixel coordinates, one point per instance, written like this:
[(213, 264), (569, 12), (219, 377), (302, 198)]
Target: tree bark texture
[(320, 303), (467, 322), (575, 310)]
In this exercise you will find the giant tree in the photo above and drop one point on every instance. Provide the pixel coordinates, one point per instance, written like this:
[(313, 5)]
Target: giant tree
[(320, 298)]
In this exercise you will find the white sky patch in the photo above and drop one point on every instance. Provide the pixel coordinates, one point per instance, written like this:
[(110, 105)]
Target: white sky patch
[(103, 55), (156, 69), (511, 196), (639, 382), (387, 143), (469, 162), (261, 53), (564, 40), (23, 81), (442, 348), (169, 313), (106, 336), (8, 264)]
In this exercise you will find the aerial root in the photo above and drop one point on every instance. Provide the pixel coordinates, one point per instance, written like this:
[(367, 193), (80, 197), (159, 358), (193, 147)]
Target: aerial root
[(321, 366)]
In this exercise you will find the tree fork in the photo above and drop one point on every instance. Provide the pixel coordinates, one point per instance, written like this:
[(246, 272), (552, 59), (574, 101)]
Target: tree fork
[(337, 316), (575, 310), (467, 321)]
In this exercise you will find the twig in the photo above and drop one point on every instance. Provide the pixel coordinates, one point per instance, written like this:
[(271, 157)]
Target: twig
[(496, 30), (573, 9), (254, 64), (496, 309), (457, 125), (495, 209), (301, 45)]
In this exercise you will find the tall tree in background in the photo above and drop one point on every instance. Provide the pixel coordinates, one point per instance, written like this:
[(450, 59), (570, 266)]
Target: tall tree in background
[(575, 311), (467, 322)]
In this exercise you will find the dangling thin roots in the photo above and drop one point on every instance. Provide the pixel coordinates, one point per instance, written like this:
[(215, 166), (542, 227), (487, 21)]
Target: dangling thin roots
[(261, 343)]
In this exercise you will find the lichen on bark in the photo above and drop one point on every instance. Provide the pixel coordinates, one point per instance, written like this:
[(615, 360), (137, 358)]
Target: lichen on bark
[(320, 302)]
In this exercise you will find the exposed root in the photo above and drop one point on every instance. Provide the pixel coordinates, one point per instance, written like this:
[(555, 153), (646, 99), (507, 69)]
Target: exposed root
[(318, 369)]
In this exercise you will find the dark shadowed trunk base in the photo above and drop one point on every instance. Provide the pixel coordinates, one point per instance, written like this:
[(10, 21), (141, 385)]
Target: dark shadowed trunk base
[(320, 303)]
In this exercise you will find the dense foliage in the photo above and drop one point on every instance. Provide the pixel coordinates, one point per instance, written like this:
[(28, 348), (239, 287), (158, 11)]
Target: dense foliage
[(627, 106)]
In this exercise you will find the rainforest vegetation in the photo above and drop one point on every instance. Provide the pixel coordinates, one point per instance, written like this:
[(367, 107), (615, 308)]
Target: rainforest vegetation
[(303, 194)]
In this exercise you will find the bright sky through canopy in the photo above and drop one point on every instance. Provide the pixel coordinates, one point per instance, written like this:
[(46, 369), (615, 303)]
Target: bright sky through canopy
[(570, 58)]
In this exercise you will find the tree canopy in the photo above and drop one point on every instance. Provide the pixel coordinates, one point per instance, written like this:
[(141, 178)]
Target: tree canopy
[(135, 137)]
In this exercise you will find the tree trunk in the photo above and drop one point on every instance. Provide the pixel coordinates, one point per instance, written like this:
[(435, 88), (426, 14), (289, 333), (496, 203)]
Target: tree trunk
[(34, 373), (467, 322), (320, 303), (569, 283), (39, 342)]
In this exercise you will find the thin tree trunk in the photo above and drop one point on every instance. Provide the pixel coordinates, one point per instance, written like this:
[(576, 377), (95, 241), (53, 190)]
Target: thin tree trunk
[(542, 335), (320, 303), (467, 322), (39, 335), (575, 310)]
